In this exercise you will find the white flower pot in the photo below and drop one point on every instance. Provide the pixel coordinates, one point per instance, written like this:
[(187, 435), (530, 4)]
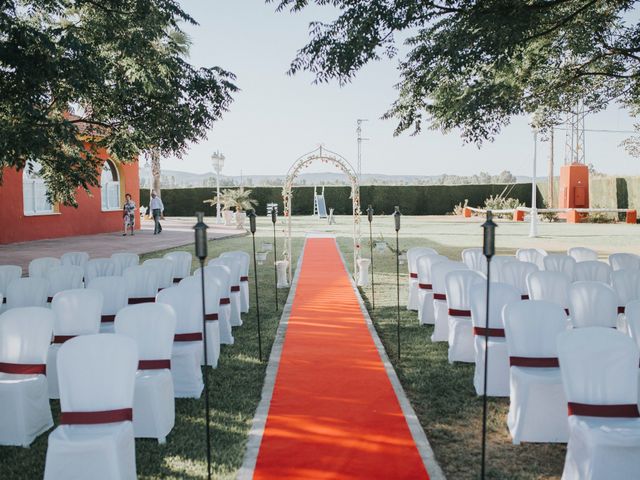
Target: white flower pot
[(240, 219), (228, 217)]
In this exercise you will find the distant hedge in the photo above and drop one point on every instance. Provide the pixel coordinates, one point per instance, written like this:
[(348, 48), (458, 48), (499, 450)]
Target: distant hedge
[(413, 200)]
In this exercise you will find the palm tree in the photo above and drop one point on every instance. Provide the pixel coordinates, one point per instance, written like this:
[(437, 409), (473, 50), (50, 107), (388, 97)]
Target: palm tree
[(234, 198)]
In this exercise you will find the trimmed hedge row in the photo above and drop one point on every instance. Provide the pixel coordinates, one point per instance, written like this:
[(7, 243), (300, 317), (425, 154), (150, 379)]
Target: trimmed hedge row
[(413, 200)]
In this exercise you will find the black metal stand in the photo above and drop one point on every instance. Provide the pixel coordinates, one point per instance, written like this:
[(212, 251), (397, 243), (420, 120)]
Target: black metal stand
[(396, 216), (252, 222), (201, 253), (373, 287), (489, 250), (274, 219)]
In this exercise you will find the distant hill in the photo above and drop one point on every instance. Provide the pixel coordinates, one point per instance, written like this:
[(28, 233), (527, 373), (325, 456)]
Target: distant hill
[(179, 179)]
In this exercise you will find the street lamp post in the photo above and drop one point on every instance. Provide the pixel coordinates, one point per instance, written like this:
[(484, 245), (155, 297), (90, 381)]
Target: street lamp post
[(533, 226), (218, 163)]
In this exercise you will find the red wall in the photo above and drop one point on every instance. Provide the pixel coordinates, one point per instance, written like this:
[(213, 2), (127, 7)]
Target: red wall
[(87, 218)]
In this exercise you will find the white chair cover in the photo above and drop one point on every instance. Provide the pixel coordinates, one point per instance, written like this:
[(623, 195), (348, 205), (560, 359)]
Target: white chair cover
[(632, 312), (97, 374), (25, 334), (498, 361), (592, 271), (549, 286), (439, 272), (559, 262), (38, 267), (599, 369), (532, 255), (8, 273), (413, 254), (458, 286), (152, 326), (99, 267), (244, 259), (234, 295), (221, 275), (114, 297), (77, 313), (216, 328), (592, 304), (498, 262), (64, 277), (181, 264), (538, 406), (77, 259), (516, 273), (425, 289), (475, 259), (626, 284), (141, 283), (582, 254), (164, 269), (186, 356), (124, 260), (27, 292), (622, 261)]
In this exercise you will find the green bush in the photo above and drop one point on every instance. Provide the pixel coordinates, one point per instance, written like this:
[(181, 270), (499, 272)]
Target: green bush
[(413, 200)]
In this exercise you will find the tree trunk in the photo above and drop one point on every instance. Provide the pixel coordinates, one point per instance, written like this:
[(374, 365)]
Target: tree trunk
[(550, 173), (155, 172)]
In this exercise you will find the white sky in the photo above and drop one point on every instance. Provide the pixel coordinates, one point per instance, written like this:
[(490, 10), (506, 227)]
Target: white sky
[(276, 118)]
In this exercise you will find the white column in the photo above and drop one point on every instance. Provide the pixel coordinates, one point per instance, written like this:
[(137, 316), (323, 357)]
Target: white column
[(533, 227)]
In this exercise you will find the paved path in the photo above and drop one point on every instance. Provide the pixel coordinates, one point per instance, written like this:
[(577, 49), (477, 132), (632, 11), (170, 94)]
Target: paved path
[(337, 409), (176, 232)]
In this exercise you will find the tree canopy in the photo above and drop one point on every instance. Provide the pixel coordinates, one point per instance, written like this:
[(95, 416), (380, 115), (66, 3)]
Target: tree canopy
[(114, 72), (474, 64)]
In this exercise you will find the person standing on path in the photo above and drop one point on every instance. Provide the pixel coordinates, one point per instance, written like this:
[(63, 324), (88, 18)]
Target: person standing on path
[(129, 214), (157, 208)]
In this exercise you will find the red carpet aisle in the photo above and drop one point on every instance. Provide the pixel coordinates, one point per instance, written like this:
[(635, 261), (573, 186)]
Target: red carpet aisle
[(334, 413)]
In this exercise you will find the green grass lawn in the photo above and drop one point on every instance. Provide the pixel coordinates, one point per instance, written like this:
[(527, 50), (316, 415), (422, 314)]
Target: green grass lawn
[(441, 394)]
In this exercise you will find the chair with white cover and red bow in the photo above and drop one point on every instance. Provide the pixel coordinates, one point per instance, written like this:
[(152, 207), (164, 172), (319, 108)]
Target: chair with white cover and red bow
[(592, 271), (599, 369), (235, 318), (425, 287), (592, 304), (187, 350), (245, 260), (516, 273), (458, 286), (551, 287), (76, 259), (99, 267), (181, 264), (27, 292), (142, 283), (632, 314), (114, 296), (582, 254), (213, 323), (532, 255), (8, 273), (538, 406), (559, 262), (124, 260), (413, 254), (498, 362), (626, 285), (25, 335), (498, 262), (474, 259), (623, 261), (222, 275), (95, 438), (164, 269), (439, 272), (38, 266), (64, 277), (152, 326), (77, 312)]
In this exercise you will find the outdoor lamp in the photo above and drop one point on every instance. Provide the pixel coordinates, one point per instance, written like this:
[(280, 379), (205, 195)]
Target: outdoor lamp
[(274, 216), (201, 236), (396, 217), (370, 214), (489, 226), (252, 220)]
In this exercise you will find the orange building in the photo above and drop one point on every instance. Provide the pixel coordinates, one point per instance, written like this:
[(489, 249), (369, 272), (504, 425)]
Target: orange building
[(25, 213)]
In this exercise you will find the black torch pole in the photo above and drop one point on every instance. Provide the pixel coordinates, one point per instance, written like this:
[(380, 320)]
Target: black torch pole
[(489, 250), (252, 224), (201, 252), (274, 219), (373, 289), (396, 217)]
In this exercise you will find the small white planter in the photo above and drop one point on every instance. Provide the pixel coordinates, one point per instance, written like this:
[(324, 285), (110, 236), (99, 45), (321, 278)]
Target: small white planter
[(363, 272), (267, 247), (281, 268), (402, 258), (380, 246), (228, 217), (240, 219), (261, 257)]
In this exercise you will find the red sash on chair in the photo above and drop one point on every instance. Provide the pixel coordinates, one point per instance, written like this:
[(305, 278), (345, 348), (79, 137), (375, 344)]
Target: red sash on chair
[(440, 296), (136, 300), (107, 318), (49, 299), (413, 275), (187, 337), (244, 279), (211, 316), (235, 288), (536, 362), (608, 411), (177, 280), (425, 286), (62, 338), (154, 364), (489, 332), (225, 301), (621, 309), (524, 297), (454, 312), (23, 368), (95, 418)]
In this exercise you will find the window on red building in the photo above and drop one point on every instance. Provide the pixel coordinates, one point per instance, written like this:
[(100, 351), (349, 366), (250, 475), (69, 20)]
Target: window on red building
[(34, 191), (110, 185)]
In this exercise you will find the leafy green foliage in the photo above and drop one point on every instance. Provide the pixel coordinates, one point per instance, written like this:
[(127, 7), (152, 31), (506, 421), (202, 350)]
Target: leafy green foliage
[(120, 68), (474, 64), (238, 199)]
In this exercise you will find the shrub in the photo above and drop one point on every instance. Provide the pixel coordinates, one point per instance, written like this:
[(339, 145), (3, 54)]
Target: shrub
[(501, 203), (459, 208)]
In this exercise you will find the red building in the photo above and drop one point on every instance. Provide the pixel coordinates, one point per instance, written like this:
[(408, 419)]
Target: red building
[(25, 213)]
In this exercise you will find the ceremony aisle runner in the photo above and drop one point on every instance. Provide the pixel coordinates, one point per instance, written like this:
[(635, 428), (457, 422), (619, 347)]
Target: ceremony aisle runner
[(334, 413)]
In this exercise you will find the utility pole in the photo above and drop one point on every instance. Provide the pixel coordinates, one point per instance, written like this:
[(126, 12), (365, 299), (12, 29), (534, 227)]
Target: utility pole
[(360, 139), (550, 172)]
